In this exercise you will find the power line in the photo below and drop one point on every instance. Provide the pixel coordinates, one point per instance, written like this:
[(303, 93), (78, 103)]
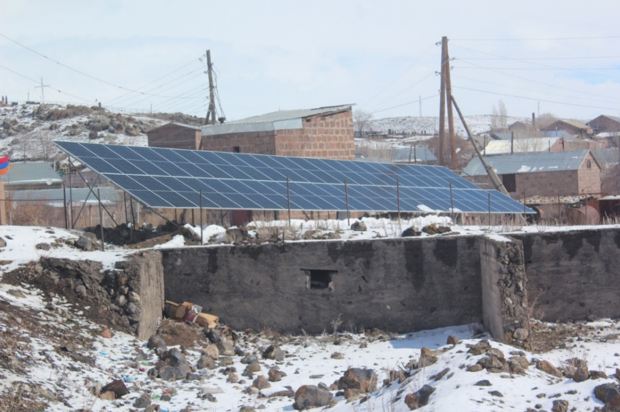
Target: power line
[(543, 39), (171, 87), (542, 58), (549, 69), (81, 72), (406, 104), (543, 83), (36, 81), (532, 98), (405, 89)]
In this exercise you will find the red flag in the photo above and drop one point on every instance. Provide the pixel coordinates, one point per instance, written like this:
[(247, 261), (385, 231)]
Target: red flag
[(4, 159)]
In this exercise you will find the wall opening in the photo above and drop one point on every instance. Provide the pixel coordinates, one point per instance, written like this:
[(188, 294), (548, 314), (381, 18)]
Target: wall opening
[(319, 279)]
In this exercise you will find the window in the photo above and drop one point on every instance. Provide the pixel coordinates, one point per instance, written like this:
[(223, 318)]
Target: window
[(236, 149), (319, 279), (510, 182), (589, 164)]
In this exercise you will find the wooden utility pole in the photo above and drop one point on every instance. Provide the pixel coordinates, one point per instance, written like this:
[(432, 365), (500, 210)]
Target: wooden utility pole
[(444, 100), (211, 111)]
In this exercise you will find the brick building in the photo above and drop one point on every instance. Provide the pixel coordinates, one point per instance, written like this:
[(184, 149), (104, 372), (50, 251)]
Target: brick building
[(605, 124), (541, 174), (325, 132), (175, 135)]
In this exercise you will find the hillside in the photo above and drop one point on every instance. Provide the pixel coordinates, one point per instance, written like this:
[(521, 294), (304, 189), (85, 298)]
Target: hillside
[(478, 124)]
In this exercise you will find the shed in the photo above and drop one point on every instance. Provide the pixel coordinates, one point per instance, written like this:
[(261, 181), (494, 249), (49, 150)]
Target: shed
[(31, 175)]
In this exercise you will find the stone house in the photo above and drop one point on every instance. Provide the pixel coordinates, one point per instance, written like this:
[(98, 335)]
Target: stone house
[(573, 127), (541, 174), (175, 135), (605, 124), (325, 132)]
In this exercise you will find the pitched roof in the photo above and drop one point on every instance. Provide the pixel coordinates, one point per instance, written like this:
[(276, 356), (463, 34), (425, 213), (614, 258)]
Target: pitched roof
[(30, 173), (78, 194), (533, 144), (528, 163), (575, 123), (614, 118), (607, 157), (280, 120)]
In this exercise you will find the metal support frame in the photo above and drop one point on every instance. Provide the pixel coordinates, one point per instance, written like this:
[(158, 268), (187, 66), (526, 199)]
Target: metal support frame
[(201, 225), (91, 191), (84, 204), (101, 221), (346, 196)]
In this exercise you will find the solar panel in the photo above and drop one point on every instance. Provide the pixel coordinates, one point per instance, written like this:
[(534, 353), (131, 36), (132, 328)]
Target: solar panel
[(174, 178)]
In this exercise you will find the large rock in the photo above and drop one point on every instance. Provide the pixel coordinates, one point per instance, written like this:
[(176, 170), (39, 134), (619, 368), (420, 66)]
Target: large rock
[(609, 394), (358, 226), (169, 373), (548, 368), (225, 348), (117, 387), (156, 342), (427, 358), (363, 380), (274, 352), (310, 396), (420, 398)]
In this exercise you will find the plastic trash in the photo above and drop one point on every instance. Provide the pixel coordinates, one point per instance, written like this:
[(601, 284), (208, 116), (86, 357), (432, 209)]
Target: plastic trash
[(102, 353), (128, 379), (155, 396)]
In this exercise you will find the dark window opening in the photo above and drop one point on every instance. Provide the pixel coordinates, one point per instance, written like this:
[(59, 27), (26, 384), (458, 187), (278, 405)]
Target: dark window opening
[(236, 149), (589, 164), (510, 182), (319, 279)]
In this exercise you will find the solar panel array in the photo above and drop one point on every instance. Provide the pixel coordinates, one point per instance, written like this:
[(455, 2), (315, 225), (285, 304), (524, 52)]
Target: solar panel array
[(174, 178)]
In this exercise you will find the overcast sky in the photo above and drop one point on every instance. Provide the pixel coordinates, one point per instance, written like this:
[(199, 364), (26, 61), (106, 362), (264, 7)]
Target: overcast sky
[(559, 57)]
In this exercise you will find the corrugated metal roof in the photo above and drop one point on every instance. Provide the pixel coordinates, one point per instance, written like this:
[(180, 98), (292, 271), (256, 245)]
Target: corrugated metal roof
[(30, 173), (55, 196), (280, 120), (574, 123), (607, 157), (534, 144), (528, 163)]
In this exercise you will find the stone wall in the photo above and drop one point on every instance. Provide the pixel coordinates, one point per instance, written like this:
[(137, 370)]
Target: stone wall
[(398, 285), (174, 136), (573, 275), (589, 176), (248, 142)]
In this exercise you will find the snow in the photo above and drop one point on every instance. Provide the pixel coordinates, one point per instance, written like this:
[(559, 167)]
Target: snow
[(524, 169), (307, 356)]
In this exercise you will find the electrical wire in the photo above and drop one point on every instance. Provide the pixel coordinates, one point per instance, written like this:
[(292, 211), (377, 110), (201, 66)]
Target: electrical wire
[(406, 104), (403, 90), (81, 72), (53, 88), (543, 39)]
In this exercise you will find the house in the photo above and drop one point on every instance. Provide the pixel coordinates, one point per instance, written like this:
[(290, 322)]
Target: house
[(325, 132), (519, 125), (527, 145), (31, 175), (573, 127), (175, 135), (605, 124), (607, 157), (541, 174)]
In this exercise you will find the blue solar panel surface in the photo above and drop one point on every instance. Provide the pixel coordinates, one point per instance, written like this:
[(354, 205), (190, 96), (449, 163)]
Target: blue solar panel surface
[(174, 178)]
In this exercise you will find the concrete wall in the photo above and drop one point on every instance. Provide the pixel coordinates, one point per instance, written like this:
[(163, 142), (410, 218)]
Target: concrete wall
[(572, 275), (398, 285)]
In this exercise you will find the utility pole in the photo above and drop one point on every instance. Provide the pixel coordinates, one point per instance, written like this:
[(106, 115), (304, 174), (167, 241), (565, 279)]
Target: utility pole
[(450, 114), (442, 101), (42, 87), (211, 111)]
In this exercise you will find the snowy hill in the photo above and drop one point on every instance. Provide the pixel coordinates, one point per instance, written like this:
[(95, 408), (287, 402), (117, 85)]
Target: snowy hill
[(477, 124)]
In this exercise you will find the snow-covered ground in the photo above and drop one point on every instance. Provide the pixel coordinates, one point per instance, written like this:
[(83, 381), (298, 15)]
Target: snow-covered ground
[(42, 340), (478, 124)]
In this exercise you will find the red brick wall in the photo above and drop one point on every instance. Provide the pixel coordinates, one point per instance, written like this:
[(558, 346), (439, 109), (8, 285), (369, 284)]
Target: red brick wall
[(324, 136), (249, 142), (541, 184), (173, 136), (589, 179)]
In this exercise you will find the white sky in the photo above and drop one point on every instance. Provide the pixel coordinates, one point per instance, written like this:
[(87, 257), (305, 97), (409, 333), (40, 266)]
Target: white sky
[(272, 55)]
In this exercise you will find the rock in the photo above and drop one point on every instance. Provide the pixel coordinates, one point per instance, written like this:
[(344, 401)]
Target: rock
[(169, 373), (213, 335), (396, 375), (133, 297), (249, 359), (358, 226), (452, 340), (548, 368), (206, 361), (337, 355), (120, 301), (142, 402), (245, 408), (520, 334), (351, 394), (494, 363), (166, 397), (364, 380), (560, 406), (598, 375), (212, 351), (225, 348), (427, 358), (226, 361), (609, 394), (409, 232), (80, 290), (581, 375), (480, 348), (439, 375), (152, 408), (274, 352), (483, 382), (105, 332), (84, 243), (518, 364), (275, 375), (496, 393), (261, 382), (310, 396), (431, 229), (254, 367), (420, 398), (41, 246), (133, 309), (232, 378), (474, 368), (117, 386), (107, 396)]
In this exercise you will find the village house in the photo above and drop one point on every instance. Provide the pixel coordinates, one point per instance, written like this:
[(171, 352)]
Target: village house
[(175, 135), (573, 127), (573, 173), (605, 124)]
